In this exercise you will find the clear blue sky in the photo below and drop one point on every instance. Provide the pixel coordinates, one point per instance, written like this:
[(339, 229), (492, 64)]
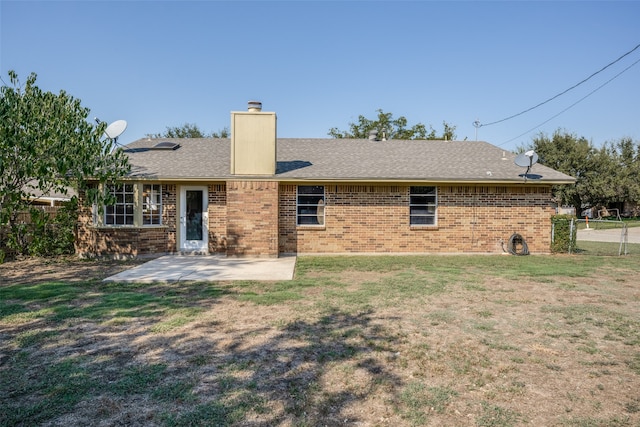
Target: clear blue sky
[(320, 64)]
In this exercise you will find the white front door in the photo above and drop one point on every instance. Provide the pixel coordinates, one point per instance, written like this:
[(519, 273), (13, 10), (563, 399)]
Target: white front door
[(194, 219)]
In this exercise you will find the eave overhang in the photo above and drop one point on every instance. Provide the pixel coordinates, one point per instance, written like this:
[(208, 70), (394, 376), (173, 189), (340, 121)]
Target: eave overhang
[(406, 180)]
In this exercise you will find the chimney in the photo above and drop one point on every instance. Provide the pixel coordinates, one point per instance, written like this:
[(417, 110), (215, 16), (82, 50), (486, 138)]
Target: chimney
[(253, 141), (255, 106)]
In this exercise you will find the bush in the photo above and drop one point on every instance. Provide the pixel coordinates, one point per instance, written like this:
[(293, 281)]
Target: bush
[(54, 236), (564, 229), (43, 235)]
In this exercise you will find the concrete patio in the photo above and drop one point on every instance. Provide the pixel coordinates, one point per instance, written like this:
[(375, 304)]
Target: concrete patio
[(208, 268)]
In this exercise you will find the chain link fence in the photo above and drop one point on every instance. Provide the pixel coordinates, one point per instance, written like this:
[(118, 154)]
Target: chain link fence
[(606, 237)]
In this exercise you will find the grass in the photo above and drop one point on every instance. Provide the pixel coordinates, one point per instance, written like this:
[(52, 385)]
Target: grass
[(416, 401), (605, 248), (406, 341), (608, 224), (496, 416)]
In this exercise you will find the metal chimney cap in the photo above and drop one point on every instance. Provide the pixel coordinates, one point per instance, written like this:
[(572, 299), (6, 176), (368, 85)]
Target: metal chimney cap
[(255, 106)]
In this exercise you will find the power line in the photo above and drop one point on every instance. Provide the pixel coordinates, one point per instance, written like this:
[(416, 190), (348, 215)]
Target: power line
[(478, 125), (572, 105)]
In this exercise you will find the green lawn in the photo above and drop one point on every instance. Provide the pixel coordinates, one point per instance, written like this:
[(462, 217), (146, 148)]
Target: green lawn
[(380, 340), (585, 247)]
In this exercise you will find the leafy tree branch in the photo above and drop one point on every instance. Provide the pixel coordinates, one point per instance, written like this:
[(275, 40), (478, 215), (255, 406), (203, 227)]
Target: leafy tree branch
[(189, 130), (47, 145), (387, 127)]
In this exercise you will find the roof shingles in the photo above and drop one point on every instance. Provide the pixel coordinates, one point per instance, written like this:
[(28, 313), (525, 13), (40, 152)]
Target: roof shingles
[(341, 160)]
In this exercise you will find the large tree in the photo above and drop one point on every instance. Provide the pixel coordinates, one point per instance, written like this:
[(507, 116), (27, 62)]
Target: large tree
[(189, 130), (48, 145), (388, 127), (573, 155), (623, 172), (604, 176)]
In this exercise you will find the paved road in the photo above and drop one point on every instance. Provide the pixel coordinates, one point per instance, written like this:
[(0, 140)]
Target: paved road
[(612, 235)]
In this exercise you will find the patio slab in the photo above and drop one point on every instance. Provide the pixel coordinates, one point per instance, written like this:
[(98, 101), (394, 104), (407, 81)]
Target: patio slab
[(208, 268)]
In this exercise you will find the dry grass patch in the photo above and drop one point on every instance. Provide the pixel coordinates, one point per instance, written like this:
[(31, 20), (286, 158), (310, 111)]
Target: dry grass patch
[(397, 341)]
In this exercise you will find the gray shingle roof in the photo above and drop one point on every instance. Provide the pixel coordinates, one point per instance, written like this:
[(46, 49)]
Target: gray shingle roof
[(341, 160)]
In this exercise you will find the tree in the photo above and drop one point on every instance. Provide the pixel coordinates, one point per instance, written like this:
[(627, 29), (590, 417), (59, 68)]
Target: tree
[(390, 128), (222, 133), (570, 154), (604, 176), (47, 145), (623, 171), (189, 130)]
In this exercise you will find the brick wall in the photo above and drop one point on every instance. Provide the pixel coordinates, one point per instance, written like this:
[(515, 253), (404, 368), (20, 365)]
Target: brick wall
[(218, 218), (169, 215), (375, 219), (252, 218), (259, 218), (122, 242)]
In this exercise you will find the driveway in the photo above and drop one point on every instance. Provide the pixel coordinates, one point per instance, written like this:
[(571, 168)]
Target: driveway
[(610, 235), (210, 268)]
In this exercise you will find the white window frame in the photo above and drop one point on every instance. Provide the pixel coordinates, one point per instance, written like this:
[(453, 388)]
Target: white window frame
[(310, 207), (423, 197), (135, 200), (125, 201), (151, 204)]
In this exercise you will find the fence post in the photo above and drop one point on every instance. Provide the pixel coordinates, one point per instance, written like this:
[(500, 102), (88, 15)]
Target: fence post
[(624, 239), (571, 225)]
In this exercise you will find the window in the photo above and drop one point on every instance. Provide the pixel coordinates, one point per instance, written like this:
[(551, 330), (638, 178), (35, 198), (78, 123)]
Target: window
[(310, 205), (135, 204), (120, 213), (423, 202), (151, 204)]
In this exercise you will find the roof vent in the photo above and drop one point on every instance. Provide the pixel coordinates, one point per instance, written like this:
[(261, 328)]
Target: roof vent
[(373, 135), (166, 145), (255, 106)]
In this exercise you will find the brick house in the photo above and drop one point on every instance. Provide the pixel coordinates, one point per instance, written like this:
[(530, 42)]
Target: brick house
[(258, 195)]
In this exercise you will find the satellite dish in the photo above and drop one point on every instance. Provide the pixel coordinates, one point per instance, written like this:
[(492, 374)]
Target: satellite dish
[(526, 160), (115, 129)]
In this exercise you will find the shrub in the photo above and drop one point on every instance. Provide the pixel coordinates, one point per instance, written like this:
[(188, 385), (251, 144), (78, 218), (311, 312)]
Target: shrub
[(564, 229), (42, 235)]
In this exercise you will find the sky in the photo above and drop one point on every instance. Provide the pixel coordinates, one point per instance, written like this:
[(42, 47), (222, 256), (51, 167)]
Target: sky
[(322, 64)]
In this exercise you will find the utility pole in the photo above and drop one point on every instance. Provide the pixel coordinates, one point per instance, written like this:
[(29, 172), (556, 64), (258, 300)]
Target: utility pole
[(477, 124)]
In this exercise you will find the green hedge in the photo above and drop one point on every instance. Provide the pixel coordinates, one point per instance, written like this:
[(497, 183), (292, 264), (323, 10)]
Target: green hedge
[(563, 237)]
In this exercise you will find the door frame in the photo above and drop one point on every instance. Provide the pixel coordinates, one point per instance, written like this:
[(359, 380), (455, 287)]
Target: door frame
[(185, 245)]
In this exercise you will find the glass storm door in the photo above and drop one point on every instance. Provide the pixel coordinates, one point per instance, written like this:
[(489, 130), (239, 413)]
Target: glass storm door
[(194, 219)]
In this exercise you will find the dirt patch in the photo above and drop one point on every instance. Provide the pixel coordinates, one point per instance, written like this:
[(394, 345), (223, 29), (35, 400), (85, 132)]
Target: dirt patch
[(67, 268)]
